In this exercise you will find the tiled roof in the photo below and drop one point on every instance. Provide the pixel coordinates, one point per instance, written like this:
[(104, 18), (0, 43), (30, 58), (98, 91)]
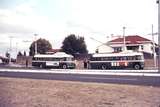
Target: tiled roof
[(133, 39)]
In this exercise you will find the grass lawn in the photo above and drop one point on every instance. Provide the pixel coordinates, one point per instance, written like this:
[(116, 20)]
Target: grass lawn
[(16, 92)]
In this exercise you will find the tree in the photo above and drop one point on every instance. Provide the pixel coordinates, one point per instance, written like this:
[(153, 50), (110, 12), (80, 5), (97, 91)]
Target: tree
[(43, 46), (19, 54), (73, 45), (24, 53)]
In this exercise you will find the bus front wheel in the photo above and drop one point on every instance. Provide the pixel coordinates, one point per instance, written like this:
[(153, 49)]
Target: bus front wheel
[(41, 65), (64, 66), (137, 67)]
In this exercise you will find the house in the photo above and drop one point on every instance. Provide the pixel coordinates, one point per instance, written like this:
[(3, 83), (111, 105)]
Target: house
[(132, 42)]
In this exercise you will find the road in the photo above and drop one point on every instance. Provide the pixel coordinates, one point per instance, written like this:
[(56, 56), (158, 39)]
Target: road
[(135, 79)]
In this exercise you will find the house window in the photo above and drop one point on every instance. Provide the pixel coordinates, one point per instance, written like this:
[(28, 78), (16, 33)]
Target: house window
[(142, 47), (152, 48), (117, 49)]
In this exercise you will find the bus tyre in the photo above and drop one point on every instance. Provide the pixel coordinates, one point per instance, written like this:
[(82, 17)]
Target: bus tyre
[(41, 65), (64, 66), (136, 66), (104, 67)]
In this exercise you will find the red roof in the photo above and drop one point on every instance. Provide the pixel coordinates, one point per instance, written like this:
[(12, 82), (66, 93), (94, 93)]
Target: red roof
[(133, 39)]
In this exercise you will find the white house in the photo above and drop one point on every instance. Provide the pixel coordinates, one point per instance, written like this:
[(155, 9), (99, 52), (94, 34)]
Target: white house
[(133, 42), (104, 48)]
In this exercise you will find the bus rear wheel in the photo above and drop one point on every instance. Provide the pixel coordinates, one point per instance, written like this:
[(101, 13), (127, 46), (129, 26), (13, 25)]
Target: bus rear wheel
[(137, 67), (103, 67)]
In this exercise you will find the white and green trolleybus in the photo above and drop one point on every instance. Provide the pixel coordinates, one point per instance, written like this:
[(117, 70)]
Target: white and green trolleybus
[(122, 60), (57, 60)]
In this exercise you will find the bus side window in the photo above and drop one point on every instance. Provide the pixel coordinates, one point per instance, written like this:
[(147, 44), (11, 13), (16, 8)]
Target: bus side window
[(127, 57), (118, 58), (102, 59), (138, 57), (105, 59), (57, 59), (93, 58), (52, 59), (47, 59), (98, 59), (133, 58), (124, 58), (110, 59)]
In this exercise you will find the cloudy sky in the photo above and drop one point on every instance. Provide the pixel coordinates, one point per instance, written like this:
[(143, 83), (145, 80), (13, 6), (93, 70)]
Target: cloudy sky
[(55, 19)]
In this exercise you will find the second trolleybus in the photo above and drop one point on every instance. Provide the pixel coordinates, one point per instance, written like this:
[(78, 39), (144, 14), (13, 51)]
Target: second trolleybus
[(122, 60)]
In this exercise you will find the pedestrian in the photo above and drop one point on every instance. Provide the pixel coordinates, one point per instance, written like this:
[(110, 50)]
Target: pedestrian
[(26, 62), (88, 64), (85, 64)]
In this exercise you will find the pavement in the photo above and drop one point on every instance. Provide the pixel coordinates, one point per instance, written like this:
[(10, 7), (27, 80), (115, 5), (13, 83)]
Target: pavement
[(98, 76), (22, 68)]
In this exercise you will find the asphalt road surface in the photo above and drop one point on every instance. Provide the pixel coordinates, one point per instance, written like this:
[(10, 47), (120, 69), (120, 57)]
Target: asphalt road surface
[(117, 79)]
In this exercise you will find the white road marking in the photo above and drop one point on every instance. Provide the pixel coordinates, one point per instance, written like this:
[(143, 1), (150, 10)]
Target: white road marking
[(130, 79)]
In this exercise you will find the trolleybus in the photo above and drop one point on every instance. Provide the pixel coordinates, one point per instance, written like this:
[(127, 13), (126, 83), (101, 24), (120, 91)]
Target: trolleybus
[(133, 60), (57, 60)]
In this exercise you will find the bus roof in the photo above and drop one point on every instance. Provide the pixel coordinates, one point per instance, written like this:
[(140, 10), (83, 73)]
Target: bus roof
[(56, 55), (117, 54)]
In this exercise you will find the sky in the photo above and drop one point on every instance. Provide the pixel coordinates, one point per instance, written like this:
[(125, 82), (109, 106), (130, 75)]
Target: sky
[(54, 20)]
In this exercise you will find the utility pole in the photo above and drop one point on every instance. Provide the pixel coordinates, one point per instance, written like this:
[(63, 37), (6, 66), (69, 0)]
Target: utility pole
[(35, 43), (158, 2), (154, 54), (10, 49), (124, 39), (27, 41), (16, 47)]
